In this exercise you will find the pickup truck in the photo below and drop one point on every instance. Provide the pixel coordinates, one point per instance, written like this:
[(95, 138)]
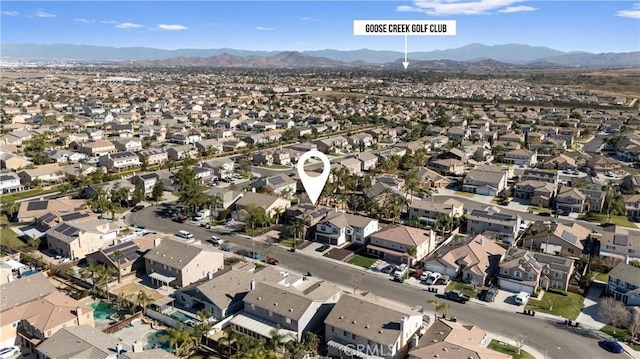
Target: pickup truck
[(456, 296)]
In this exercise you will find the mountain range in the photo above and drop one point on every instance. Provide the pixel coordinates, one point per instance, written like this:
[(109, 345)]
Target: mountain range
[(517, 54)]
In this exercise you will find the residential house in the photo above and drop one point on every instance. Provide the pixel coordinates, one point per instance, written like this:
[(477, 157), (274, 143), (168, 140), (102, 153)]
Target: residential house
[(454, 154), (12, 162), (521, 157), (210, 146), (116, 162), (493, 223), (269, 307), (281, 185), (541, 176), (10, 183), (392, 242), (338, 228), (178, 263), (153, 156), (227, 197), (95, 148), (177, 153), (570, 200), (454, 340), (75, 239), (539, 193), (558, 239), (272, 204), (624, 284), (384, 331), (603, 164), (448, 167), (32, 310), (87, 342), (632, 206), (368, 159), (234, 145), (148, 180), (390, 180), (336, 144), (430, 179), (428, 212), (361, 140), (224, 294), (49, 173), (559, 162), (484, 183), (222, 167), (476, 260), (353, 165), (128, 144), (525, 271), (619, 242), (65, 156), (595, 197), (30, 210), (131, 258)]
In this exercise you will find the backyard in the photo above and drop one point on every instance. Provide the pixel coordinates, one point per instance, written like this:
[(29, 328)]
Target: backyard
[(9, 237), (567, 305), (362, 261), (509, 350)]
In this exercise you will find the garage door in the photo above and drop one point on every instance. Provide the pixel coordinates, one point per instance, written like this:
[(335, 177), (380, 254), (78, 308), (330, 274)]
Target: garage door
[(514, 287)]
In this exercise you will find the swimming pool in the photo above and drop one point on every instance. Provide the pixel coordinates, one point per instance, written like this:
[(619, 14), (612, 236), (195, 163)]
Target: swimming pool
[(29, 272), (102, 311), (157, 339)]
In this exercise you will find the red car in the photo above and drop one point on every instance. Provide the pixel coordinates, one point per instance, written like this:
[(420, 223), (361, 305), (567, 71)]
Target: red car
[(180, 219), (273, 261)]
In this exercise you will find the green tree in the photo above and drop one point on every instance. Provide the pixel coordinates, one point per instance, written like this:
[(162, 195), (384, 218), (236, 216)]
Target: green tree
[(138, 193), (119, 255), (157, 192), (143, 299), (104, 276), (440, 307)]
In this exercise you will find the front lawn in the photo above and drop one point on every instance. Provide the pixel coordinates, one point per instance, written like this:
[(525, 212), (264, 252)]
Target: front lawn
[(289, 242), (567, 306), (603, 218), (535, 209), (362, 261), (603, 277), (465, 194), (621, 335), (464, 288), (509, 350)]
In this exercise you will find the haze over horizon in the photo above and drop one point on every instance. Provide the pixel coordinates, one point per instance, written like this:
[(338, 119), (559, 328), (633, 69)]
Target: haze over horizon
[(589, 26)]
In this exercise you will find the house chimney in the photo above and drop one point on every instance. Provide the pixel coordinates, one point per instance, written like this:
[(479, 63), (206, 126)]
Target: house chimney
[(252, 285), (209, 275), (403, 323), (9, 277), (156, 241), (137, 346), (414, 340), (79, 314), (481, 240)]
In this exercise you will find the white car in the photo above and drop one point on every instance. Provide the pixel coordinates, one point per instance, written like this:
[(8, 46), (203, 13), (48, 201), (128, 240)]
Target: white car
[(425, 275), (433, 278), (9, 352), (216, 240)]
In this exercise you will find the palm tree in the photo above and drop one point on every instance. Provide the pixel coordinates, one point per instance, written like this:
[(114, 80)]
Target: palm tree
[(442, 307), (105, 275), (92, 272), (142, 300), (411, 183), (411, 254), (118, 255)]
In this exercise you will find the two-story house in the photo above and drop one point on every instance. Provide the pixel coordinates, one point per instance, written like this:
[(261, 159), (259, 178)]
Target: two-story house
[(338, 228), (269, 307), (96, 148), (570, 200), (153, 156), (428, 211), (619, 242), (271, 204), (475, 260), (360, 322), (49, 173), (280, 184), (115, 162), (181, 152), (484, 183), (368, 159), (128, 144), (624, 284), (493, 223), (392, 243), (10, 182), (566, 240), (539, 193), (75, 239), (537, 175), (521, 157), (525, 271), (178, 263)]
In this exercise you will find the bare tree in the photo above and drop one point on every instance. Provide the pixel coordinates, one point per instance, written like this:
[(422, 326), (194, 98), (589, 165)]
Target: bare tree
[(613, 312), (520, 340), (355, 282), (634, 325), (550, 303)]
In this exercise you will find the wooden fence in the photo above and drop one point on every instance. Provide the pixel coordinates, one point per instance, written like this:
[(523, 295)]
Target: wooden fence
[(122, 323)]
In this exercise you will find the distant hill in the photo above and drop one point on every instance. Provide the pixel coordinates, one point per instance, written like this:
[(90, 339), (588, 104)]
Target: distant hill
[(507, 53)]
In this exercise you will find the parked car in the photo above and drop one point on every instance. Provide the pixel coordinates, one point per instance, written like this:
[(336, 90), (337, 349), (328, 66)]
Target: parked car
[(425, 275), (137, 208), (9, 352), (613, 346), (417, 273), (273, 261), (323, 248), (522, 298), (433, 278), (216, 240), (180, 219), (444, 280), (489, 295), (456, 296)]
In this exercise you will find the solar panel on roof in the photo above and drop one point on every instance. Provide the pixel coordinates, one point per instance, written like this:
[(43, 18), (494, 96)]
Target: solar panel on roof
[(37, 205), (117, 247), (6, 178), (61, 228), (48, 217), (276, 180), (73, 216), (569, 237)]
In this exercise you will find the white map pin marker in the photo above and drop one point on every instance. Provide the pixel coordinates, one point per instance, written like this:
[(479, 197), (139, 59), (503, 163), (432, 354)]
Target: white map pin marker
[(314, 185)]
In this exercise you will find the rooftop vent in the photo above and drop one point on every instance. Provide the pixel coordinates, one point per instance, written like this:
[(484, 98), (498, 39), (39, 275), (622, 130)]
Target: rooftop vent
[(354, 322), (275, 303), (341, 317), (366, 326), (380, 331), (259, 298), (291, 309)]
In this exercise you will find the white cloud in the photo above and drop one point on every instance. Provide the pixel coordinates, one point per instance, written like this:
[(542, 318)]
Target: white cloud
[(107, 22), (42, 13), (128, 25), (633, 13), (9, 13), (304, 18), (86, 21), (262, 28), (461, 7), (512, 9), (172, 27)]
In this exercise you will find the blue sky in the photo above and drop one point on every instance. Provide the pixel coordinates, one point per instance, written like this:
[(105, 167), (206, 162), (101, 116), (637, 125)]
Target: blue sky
[(593, 26)]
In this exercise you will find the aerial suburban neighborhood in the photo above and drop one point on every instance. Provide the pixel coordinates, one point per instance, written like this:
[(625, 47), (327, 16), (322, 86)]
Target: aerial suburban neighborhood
[(158, 213)]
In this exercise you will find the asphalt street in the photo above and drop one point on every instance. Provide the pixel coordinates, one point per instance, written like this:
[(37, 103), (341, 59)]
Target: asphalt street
[(560, 342)]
